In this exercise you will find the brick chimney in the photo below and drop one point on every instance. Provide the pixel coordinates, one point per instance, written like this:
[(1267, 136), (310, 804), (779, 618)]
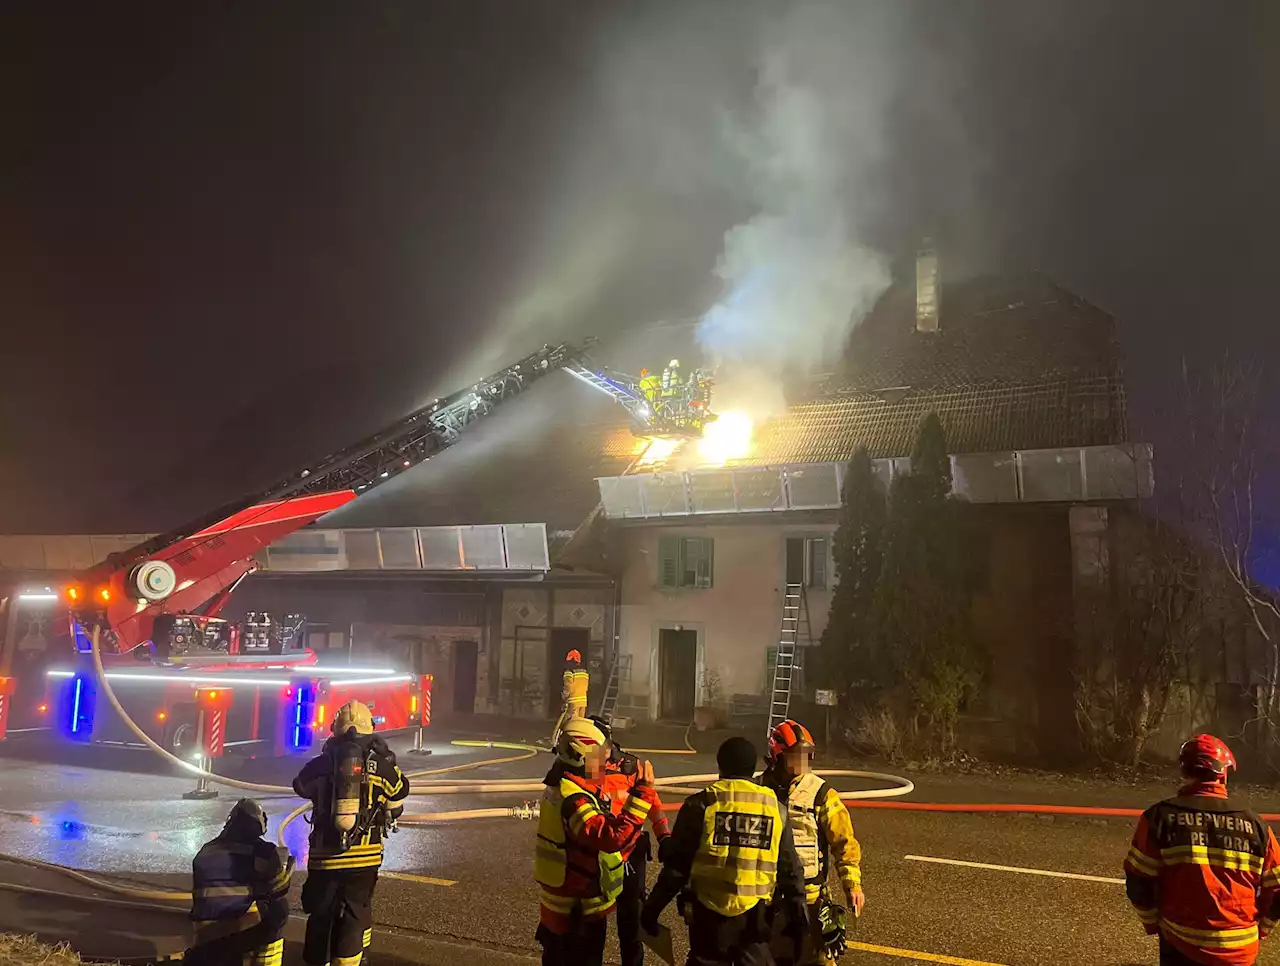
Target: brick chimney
[(928, 288)]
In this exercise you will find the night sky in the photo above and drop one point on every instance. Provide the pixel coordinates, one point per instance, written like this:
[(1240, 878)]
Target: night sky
[(234, 235)]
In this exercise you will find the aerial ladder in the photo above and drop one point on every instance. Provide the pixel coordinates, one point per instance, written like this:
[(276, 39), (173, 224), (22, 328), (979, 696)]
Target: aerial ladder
[(169, 589)]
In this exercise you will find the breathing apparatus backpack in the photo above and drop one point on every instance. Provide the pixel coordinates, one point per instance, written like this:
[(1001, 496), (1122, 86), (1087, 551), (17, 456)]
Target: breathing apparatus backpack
[(349, 777)]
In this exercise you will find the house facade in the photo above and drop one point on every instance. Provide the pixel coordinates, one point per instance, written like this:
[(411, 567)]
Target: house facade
[(1028, 383)]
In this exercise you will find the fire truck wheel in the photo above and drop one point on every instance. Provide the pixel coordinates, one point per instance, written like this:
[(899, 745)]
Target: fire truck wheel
[(180, 732)]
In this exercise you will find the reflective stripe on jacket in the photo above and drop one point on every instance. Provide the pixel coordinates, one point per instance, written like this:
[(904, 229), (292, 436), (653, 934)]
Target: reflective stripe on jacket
[(384, 784), (577, 855), (615, 787), (823, 830), (1205, 875), (230, 877), (736, 865), (574, 689)]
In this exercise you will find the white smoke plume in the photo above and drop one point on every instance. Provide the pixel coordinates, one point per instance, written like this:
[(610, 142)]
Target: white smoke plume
[(728, 169), (797, 273)]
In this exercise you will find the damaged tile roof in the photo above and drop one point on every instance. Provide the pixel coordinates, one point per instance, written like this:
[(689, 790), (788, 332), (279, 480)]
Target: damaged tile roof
[(1016, 364)]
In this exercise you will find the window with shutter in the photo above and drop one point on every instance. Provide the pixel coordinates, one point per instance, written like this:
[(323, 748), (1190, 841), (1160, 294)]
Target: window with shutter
[(685, 562), (669, 561), (818, 562), (690, 561)]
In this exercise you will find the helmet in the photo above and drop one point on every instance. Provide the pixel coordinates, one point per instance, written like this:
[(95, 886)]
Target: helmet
[(355, 715), (787, 735), (579, 737), (643, 373), (574, 657), (1205, 753), (606, 729), (247, 816)]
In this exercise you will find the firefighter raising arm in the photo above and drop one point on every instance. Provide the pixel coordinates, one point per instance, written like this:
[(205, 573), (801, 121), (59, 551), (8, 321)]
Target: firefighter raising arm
[(578, 851)]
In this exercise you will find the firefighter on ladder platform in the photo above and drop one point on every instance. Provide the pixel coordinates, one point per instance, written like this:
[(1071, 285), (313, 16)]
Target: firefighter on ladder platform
[(731, 848), (622, 771), (578, 860), (1202, 873), (650, 386), (240, 894), (822, 830), (357, 792)]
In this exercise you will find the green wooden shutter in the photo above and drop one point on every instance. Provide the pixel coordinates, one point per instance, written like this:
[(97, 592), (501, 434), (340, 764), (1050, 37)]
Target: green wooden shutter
[(703, 565), (668, 561)]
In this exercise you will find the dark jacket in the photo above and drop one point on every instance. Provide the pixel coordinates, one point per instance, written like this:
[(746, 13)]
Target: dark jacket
[(237, 882), (686, 839), (383, 790)]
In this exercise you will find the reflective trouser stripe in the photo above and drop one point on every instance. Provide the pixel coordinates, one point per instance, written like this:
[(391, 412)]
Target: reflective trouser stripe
[(272, 954)]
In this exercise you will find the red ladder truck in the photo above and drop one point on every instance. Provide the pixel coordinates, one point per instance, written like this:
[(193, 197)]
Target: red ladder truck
[(156, 605)]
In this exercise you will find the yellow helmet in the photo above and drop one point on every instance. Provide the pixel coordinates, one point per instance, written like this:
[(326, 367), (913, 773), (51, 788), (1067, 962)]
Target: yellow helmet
[(579, 737), (356, 715)]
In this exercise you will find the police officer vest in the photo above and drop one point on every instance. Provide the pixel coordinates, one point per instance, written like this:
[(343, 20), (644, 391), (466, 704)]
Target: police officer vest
[(552, 862), (736, 865), (802, 807)]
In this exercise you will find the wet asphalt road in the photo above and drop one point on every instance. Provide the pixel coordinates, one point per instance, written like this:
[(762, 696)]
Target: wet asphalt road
[(133, 821)]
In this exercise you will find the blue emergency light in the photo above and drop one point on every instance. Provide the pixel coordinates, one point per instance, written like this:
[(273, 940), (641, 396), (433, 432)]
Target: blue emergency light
[(300, 717), (78, 704)]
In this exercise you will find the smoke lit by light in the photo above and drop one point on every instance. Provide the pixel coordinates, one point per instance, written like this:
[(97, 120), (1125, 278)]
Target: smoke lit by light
[(728, 438)]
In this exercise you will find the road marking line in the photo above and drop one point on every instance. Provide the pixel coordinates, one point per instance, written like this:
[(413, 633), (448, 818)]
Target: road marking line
[(424, 879), (1014, 868), (915, 954)]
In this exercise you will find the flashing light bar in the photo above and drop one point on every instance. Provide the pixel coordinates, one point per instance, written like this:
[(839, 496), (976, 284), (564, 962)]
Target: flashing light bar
[(389, 678), (47, 596), (175, 678)]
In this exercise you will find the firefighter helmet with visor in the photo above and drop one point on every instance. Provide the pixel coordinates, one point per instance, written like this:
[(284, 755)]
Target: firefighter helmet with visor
[(580, 739), (1206, 755), (789, 735)]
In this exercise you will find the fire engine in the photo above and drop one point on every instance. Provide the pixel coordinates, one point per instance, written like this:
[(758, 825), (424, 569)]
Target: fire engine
[(155, 607)]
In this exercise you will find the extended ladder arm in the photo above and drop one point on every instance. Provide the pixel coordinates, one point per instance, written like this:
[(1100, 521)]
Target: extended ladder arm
[(177, 571)]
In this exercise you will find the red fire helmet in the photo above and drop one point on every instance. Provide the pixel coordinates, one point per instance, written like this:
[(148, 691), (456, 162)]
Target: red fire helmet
[(573, 657), (1205, 753), (787, 735)]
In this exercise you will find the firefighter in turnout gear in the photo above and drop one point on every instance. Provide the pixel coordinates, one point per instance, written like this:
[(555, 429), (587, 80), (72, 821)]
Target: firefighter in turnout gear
[(573, 692), (357, 792), (621, 773), (650, 386), (578, 861), (240, 894), (732, 851), (1202, 873), (823, 832)]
